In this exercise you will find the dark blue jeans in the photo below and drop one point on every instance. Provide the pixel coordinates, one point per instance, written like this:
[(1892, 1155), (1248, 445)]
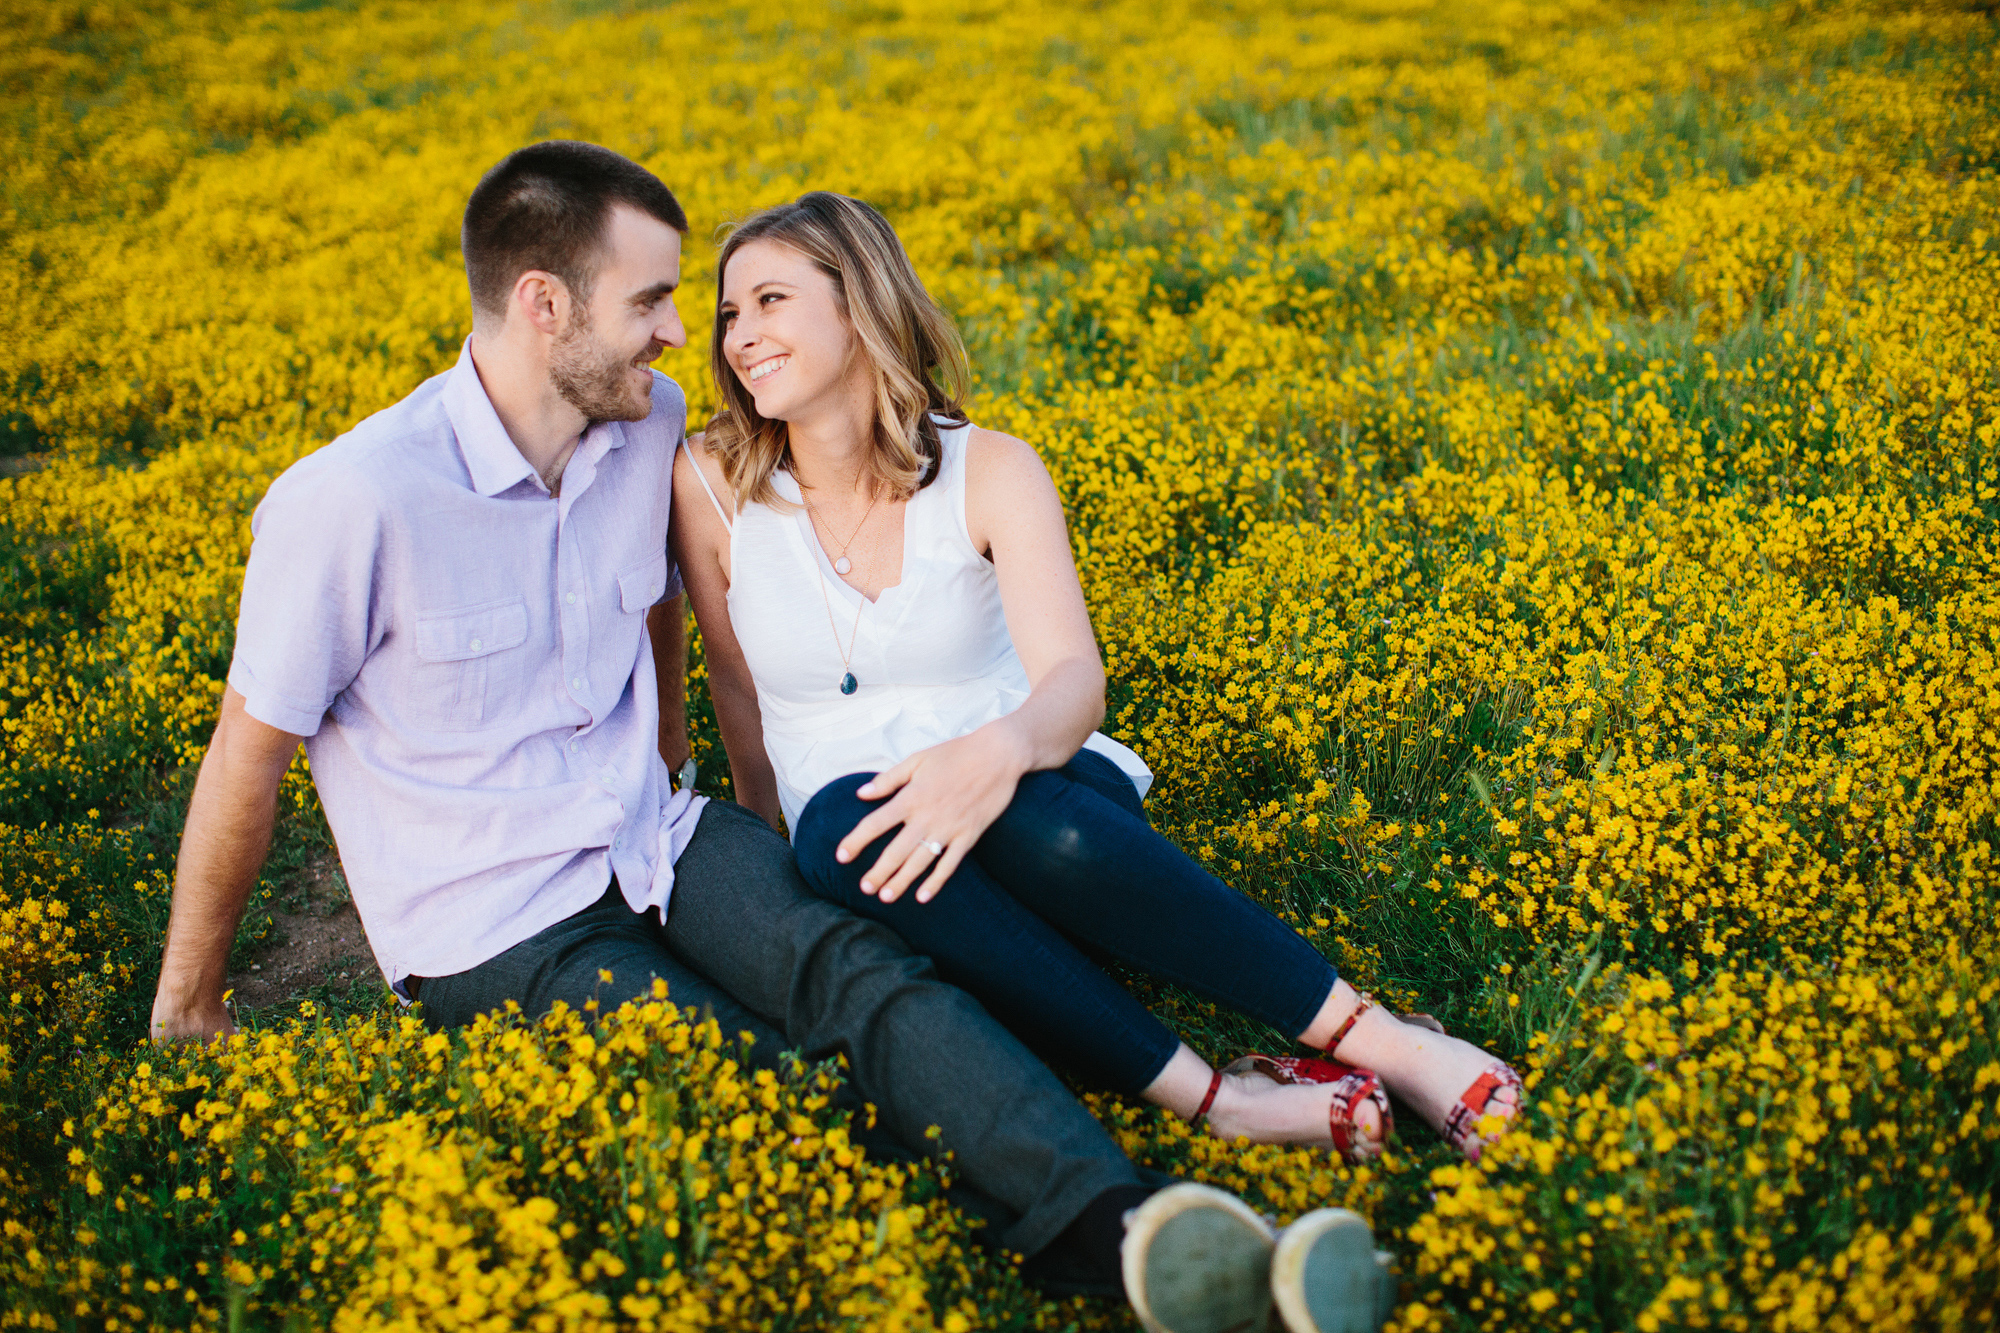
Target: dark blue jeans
[(1072, 861)]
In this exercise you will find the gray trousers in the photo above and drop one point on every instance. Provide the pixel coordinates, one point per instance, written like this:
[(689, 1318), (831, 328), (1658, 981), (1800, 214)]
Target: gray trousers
[(746, 938)]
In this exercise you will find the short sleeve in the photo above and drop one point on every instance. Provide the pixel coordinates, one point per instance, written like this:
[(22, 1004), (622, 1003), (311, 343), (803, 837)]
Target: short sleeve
[(306, 621), (674, 584)]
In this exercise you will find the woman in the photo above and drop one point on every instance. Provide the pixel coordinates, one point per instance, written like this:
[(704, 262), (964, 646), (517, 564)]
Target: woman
[(904, 671)]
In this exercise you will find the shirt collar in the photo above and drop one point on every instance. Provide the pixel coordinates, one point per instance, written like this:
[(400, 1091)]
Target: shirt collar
[(491, 457)]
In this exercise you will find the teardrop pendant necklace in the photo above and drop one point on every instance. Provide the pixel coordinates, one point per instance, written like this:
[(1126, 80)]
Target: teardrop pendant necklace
[(848, 684)]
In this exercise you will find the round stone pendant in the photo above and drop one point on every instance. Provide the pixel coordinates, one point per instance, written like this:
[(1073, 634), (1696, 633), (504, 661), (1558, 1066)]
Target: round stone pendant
[(848, 684), (841, 566)]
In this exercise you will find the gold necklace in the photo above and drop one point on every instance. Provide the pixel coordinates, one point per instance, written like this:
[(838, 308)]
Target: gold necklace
[(842, 564)]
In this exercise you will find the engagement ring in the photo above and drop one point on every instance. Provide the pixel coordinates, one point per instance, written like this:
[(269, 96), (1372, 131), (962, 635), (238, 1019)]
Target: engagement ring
[(935, 848)]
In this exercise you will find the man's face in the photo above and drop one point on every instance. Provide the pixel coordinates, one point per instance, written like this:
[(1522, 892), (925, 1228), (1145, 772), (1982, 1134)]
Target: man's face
[(601, 361)]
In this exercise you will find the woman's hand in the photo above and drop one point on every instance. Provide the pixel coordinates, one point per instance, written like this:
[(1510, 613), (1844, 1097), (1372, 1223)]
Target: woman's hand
[(948, 796)]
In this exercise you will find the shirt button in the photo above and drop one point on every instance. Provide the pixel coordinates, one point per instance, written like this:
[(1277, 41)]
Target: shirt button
[(475, 645), (576, 684), (571, 599)]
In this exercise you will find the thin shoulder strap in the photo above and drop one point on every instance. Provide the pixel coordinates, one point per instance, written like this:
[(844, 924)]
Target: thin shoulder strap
[(696, 465)]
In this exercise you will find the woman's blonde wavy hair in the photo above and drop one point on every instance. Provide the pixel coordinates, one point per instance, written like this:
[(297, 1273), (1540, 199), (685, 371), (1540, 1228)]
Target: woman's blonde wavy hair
[(915, 352)]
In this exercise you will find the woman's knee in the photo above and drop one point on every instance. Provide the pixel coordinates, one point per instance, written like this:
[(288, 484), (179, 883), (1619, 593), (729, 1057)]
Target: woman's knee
[(828, 817), (1057, 843)]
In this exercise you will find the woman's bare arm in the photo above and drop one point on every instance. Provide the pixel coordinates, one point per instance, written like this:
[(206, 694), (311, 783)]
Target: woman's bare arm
[(701, 550), (1015, 518)]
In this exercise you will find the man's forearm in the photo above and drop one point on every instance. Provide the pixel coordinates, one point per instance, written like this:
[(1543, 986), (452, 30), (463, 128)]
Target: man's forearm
[(217, 870), (751, 776), (230, 818), (667, 623)]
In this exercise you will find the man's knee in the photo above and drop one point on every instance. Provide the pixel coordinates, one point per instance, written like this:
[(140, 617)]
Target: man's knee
[(744, 917), (734, 879), (840, 940), (849, 970)]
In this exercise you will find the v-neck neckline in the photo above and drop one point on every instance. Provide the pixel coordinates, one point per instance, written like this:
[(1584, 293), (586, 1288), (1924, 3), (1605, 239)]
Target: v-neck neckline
[(816, 551)]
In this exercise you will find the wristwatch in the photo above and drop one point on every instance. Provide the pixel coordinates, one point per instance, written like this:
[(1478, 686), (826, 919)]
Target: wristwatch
[(684, 779)]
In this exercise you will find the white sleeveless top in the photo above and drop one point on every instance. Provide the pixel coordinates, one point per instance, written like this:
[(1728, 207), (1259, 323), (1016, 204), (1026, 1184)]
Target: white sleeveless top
[(932, 654)]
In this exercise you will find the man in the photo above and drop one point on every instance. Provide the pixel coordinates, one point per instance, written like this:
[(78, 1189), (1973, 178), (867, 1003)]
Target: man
[(458, 607)]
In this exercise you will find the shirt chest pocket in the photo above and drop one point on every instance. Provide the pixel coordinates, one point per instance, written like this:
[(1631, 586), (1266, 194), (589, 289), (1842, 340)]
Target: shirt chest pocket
[(471, 662), (640, 586)]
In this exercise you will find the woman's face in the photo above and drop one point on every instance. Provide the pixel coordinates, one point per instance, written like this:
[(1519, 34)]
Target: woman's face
[(783, 332)]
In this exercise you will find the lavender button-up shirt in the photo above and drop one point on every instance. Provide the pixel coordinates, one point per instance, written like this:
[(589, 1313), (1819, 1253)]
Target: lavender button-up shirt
[(467, 658)]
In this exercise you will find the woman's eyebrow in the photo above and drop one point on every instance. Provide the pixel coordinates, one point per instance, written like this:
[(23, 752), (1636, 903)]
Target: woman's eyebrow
[(727, 304)]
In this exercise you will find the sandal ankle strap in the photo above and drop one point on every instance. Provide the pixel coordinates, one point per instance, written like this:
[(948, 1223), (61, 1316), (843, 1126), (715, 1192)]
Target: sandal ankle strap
[(1366, 1003), (1214, 1086)]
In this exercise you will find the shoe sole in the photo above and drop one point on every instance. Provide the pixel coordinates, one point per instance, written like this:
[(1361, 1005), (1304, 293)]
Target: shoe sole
[(1328, 1277), (1197, 1260)]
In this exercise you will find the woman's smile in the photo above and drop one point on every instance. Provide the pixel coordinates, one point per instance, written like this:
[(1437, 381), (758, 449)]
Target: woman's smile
[(770, 365)]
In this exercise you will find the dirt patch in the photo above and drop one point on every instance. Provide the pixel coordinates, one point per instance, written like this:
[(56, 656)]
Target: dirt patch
[(317, 943)]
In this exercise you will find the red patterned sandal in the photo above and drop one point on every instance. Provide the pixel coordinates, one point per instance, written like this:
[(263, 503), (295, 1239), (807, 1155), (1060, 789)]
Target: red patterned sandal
[(1351, 1089), (1461, 1123)]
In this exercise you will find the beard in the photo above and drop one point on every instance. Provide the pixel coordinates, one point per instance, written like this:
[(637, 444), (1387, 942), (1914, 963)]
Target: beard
[(592, 377)]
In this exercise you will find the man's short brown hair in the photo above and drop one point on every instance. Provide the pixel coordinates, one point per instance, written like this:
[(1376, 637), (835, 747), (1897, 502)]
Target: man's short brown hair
[(546, 207)]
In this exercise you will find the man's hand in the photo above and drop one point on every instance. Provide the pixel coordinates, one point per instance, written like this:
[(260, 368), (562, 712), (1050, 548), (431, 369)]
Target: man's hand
[(228, 833), (172, 1023)]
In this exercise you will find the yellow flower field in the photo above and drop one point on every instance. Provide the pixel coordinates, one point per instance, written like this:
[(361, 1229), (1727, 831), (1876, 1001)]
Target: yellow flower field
[(1535, 469)]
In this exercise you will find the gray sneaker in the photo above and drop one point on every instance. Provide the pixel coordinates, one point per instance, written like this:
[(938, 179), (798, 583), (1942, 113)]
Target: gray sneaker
[(1328, 1277), (1198, 1260)]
